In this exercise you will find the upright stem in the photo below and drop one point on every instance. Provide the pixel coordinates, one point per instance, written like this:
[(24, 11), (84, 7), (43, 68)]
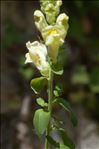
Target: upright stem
[(50, 90), (50, 96)]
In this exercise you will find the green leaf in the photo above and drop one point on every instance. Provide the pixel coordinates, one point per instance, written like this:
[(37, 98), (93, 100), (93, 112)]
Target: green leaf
[(62, 146), (67, 107), (66, 140), (52, 141), (40, 121), (56, 144), (41, 102), (57, 69), (37, 84), (56, 93), (58, 90)]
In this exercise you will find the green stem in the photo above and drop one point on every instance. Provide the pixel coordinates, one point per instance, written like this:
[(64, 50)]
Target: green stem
[(50, 96), (50, 90)]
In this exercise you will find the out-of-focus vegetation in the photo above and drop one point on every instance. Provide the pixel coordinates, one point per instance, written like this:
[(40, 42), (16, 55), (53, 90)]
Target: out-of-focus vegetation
[(84, 53)]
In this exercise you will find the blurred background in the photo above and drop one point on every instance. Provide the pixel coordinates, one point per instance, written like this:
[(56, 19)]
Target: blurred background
[(80, 57)]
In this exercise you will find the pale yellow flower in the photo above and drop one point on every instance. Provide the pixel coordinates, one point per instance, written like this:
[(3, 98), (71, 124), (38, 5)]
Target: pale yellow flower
[(40, 20), (37, 55), (53, 35)]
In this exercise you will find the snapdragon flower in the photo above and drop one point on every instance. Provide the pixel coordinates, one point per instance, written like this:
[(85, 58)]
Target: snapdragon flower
[(53, 35), (37, 55)]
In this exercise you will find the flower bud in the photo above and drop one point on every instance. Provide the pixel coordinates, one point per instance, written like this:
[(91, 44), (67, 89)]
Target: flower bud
[(51, 9)]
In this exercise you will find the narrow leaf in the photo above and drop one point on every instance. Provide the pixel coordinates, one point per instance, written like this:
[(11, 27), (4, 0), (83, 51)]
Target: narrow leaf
[(66, 140), (67, 107), (41, 102), (62, 146), (52, 141), (57, 69), (37, 84), (40, 121)]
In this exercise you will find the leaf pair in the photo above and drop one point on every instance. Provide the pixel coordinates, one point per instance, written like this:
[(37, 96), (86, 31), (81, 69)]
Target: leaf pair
[(38, 84)]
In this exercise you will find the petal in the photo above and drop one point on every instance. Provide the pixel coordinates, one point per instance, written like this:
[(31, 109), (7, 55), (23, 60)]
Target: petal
[(28, 45), (62, 19), (35, 43), (49, 40), (62, 23), (36, 46), (40, 20), (59, 2), (61, 40), (28, 59), (50, 31), (37, 54), (43, 49)]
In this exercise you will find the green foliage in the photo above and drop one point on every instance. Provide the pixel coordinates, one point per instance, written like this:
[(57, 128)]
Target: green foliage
[(57, 68), (66, 140), (38, 84), (56, 144), (76, 30), (78, 4), (41, 102), (58, 90), (52, 141), (41, 121), (27, 73), (63, 103), (62, 146), (12, 35), (80, 76)]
